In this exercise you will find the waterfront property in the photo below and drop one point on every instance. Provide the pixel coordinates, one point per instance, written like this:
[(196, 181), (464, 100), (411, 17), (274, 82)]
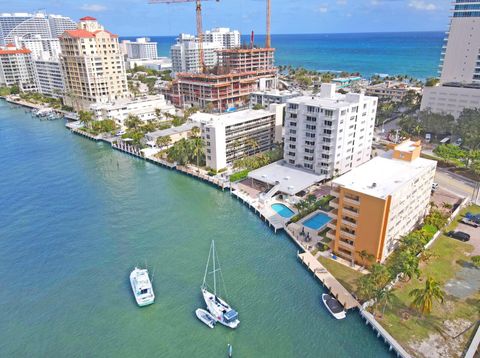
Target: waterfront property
[(330, 133), (393, 91), (17, 68), (282, 210), (379, 202), (232, 136), (317, 221), (175, 133)]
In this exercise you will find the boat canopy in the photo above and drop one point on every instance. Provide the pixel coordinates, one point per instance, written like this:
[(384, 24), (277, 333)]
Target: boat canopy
[(231, 315), (334, 305)]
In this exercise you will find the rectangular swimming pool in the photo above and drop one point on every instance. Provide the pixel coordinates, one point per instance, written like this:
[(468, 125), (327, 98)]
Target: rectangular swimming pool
[(317, 221)]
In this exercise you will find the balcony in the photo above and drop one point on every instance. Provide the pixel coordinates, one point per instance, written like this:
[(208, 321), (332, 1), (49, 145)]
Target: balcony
[(346, 245), (335, 192), (333, 214), (351, 200), (332, 225), (347, 234), (334, 202), (353, 214), (332, 235), (349, 223)]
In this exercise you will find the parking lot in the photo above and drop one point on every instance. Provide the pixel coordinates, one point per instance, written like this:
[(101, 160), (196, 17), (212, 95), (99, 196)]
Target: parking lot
[(474, 236)]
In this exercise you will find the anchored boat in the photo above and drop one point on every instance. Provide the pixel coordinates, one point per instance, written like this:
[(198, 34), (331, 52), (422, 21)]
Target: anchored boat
[(219, 308), (142, 287), (206, 317), (333, 306)]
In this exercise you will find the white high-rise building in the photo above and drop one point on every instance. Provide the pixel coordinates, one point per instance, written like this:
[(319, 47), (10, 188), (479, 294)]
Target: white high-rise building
[(92, 65), (186, 54), (27, 25), (459, 86), (329, 133), (224, 36), (17, 68), (42, 48), (49, 77), (141, 48)]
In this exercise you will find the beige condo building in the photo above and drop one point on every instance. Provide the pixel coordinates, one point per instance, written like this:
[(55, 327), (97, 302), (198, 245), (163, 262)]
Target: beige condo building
[(92, 65)]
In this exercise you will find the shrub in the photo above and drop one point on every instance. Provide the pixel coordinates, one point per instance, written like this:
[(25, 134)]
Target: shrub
[(239, 175)]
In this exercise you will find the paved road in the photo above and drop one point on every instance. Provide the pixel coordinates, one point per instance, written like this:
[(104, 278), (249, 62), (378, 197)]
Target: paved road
[(455, 184)]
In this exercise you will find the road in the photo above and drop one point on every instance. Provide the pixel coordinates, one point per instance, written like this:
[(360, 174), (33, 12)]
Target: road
[(455, 184)]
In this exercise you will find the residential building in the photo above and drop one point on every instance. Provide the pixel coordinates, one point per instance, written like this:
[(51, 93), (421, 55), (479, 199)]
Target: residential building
[(42, 48), (379, 202), (17, 68), (49, 77), (265, 98), (158, 64), (226, 37), (459, 86), (145, 108), (186, 54), (141, 48), (343, 82), (232, 136), (92, 65), (175, 133), (240, 73), (25, 24), (391, 90), (329, 133)]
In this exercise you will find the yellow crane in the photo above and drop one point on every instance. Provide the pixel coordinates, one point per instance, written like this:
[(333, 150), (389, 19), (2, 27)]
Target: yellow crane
[(199, 25)]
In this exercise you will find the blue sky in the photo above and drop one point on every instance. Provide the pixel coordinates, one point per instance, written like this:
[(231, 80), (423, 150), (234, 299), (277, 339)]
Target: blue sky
[(137, 17)]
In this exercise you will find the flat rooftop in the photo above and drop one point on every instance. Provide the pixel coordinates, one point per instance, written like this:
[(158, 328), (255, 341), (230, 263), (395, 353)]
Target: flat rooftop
[(336, 101), (170, 131), (292, 180), (230, 118), (382, 176)]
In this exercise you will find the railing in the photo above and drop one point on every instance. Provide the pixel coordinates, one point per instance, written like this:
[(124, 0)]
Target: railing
[(350, 212), (331, 235), (346, 222), (332, 225), (347, 234), (351, 201), (334, 203), (333, 214)]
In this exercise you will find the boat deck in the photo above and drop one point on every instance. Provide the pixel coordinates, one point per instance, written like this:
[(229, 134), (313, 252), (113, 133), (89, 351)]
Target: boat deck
[(330, 282)]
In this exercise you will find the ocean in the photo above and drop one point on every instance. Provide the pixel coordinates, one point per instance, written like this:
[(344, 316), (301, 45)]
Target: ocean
[(414, 54), (77, 216)]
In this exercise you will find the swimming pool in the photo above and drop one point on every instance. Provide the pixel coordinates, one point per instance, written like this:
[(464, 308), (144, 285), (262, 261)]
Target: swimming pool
[(282, 210), (317, 221)]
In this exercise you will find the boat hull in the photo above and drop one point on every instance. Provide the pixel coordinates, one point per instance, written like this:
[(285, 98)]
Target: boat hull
[(216, 311), (142, 300), (337, 315), (205, 317)]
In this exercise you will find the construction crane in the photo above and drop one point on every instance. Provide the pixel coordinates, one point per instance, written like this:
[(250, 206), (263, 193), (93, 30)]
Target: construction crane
[(268, 42), (201, 59)]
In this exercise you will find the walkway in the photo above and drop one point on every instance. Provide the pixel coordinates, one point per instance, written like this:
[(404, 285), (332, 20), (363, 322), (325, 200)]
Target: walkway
[(335, 288)]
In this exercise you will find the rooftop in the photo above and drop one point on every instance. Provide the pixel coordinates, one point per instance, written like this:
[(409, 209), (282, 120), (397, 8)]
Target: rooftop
[(382, 176), (230, 118), (170, 131), (291, 179)]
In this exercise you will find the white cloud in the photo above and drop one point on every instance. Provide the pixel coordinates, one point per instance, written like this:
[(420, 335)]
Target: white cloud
[(341, 2), (93, 7), (421, 5), (322, 9)]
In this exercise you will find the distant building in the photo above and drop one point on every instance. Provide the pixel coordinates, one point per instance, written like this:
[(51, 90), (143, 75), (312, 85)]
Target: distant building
[(343, 82), (17, 68), (229, 136), (391, 90), (459, 86), (49, 77), (379, 202), (27, 25), (186, 54), (329, 133), (265, 98), (42, 48), (158, 64), (224, 36), (92, 65), (141, 48), (144, 108)]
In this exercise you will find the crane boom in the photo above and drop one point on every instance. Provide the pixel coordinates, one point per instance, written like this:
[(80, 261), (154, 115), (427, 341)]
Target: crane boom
[(201, 58), (268, 42)]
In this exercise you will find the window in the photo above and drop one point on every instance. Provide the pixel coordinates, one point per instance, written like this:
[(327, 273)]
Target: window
[(292, 139), (311, 119), (310, 135), (291, 146), (292, 106), (328, 113), (328, 123), (292, 124), (311, 127)]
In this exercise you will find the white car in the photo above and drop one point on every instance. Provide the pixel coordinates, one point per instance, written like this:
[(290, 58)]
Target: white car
[(434, 186)]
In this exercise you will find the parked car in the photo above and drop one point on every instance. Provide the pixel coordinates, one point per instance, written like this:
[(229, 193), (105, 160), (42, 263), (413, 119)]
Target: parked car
[(472, 217), (459, 235), (469, 222), (434, 186)]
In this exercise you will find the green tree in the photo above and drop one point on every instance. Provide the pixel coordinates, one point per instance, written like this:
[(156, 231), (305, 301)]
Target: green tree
[(253, 144), (468, 128), (86, 118), (476, 260), (365, 256), (423, 298), (15, 89), (384, 297), (195, 131), (133, 122), (436, 123), (197, 145), (432, 81), (164, 141), (180, 152)]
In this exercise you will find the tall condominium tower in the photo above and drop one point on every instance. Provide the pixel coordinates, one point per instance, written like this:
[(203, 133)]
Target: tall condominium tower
[(92, 65), (141, 48), (26, 25), (17, 68), (223, 35), (459, 86)]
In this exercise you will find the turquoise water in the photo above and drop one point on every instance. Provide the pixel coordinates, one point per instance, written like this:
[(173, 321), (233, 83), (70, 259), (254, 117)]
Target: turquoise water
[(76, 216), (317, 221), (282, 210), (413, 53)]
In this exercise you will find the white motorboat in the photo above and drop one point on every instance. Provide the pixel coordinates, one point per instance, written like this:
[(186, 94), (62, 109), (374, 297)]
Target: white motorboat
[(219, 308), (142, 287), (206, 317), (333, 306)]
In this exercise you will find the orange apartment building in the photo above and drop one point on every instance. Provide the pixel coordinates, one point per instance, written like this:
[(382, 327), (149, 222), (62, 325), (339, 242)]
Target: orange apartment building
[(379, 202), (240, 73)]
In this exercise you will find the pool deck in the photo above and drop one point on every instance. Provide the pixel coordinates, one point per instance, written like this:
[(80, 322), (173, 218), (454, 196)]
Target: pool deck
[(335, 288)]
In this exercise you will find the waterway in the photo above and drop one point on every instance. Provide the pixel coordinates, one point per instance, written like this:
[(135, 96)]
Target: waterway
[(76, 216)]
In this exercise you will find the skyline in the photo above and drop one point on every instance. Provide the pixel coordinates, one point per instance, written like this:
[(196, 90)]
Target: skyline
[(361, 16)]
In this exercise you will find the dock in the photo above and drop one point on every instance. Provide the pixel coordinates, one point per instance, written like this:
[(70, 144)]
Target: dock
[(222, 184), (330, 282)]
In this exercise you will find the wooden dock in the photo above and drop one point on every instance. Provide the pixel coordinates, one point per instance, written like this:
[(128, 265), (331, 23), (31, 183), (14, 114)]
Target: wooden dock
[(330, 282), (206, 178)]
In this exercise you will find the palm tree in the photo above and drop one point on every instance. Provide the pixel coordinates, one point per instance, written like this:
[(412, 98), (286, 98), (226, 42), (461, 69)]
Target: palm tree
[(164, 141), (386, 297), (253, 144), (86, 118), (365, 256), (197, 149), (195, 132), (132, 122), (423, 297), (236, 143)]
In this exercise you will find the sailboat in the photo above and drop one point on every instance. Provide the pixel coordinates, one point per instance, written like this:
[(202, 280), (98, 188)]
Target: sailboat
[(219, 309)]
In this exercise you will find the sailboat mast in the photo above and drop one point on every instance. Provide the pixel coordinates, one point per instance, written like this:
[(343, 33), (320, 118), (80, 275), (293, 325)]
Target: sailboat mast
[(214, 272), (206, 267)]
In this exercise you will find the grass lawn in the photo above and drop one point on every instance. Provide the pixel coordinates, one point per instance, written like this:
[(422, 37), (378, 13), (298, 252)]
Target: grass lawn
[(438, 330), (345, 275)]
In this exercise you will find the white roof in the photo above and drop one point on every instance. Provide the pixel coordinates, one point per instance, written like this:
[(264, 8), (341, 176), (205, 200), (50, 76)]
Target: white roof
[(382, 176), (291, 179), (230, 118)]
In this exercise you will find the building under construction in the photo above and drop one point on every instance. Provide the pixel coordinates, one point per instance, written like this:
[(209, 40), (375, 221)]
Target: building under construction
[(240, 72)]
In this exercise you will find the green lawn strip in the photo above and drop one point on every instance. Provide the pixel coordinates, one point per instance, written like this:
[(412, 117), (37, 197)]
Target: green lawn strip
[(404, 323), (345, 275)]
